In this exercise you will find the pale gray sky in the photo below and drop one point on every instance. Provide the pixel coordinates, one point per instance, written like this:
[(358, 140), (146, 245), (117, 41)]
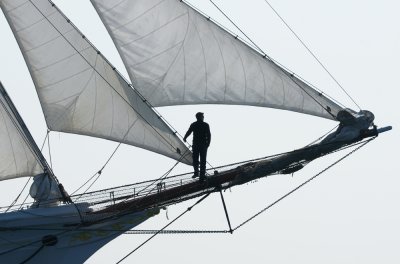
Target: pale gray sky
[(348, 215)]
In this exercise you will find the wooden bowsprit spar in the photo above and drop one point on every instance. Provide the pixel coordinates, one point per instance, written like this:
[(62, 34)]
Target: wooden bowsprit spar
[(284, 164)]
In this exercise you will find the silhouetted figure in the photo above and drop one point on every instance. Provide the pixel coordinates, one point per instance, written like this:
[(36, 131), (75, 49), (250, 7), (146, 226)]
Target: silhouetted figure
[(201, 141)]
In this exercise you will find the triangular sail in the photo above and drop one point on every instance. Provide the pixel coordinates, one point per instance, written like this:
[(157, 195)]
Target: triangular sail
[(175, 56), (80, 92), (18, 155)]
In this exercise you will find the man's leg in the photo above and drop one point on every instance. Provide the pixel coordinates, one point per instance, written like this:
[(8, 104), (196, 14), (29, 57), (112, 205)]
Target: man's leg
[(203, 160), (195, 156)]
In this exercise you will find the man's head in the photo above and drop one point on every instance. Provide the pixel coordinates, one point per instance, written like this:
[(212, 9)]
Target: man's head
[(200, 116)]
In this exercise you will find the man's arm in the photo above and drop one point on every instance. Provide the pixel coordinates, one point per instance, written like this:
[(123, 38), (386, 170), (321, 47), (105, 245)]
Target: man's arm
[(190, 130)]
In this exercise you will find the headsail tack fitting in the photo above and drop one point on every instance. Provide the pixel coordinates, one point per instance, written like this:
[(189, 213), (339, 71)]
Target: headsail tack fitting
[(352, 125)]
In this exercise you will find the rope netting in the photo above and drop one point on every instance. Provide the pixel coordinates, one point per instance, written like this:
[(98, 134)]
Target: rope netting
[(104, 198), (110, 196), (100, 199)]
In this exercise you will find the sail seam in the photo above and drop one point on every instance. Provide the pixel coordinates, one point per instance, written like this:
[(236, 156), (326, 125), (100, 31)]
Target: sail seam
[(141, 96), (73, 95), (28, 165), (76, 52), (137, 17), (156, 55), (32, 24), (17, 7), (184, 72), (112, 104), (312, 97), (264, 81), (181, 50), (31, 142), (222, 56), (95, 98), (8, 109), (160, 78), (44, 43), (243, 68), (153, 130), (260, 50), (66, 78), (203, 53), (279, 74), (73, 104), (173, 81), (264, 84), (257, 50), (11, 142), (153, 31), (111, 8), (312, 53), (21, 128)]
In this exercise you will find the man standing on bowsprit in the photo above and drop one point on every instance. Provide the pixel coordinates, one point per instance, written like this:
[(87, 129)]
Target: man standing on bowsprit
[(201, 141)]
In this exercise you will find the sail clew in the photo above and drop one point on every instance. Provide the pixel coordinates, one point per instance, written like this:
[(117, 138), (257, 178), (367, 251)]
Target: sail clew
[(79, 90), (174, 55)]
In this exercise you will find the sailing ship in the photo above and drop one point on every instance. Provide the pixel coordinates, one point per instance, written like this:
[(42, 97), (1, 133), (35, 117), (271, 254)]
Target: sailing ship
[(174, 55)]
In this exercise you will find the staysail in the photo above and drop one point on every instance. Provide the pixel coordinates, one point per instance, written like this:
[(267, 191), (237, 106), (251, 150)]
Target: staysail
[(79, 90), (174, 56), (17, 150)]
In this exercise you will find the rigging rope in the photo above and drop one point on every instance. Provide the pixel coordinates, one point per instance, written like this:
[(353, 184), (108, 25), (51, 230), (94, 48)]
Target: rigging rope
[(162, 177), (233, 23), (18, 123), (252, 217), (362, 144), (164, 139), (19, 247), (33, 254), (125, 232), (99, 172), (302, 185), (19, 195), (26, 184), (176, 218), (312, 53), (324, 135), (48, 145), (286, 72), (58, 235), (174, 179), (163, 231)]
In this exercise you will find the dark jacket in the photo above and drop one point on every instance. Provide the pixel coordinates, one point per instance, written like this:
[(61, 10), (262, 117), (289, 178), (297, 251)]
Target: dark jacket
[(201, 133)]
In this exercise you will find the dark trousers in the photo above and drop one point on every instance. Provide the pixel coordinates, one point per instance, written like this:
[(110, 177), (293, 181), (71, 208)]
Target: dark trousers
[(199, 151)]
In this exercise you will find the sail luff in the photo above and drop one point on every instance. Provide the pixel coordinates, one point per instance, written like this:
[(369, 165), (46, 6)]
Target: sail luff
[(22, 129), (19, 153), (175, 55), (79, 90)]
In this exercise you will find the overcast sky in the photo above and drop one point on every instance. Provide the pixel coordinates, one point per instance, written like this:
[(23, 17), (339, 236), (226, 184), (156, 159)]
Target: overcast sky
[(350, 214)]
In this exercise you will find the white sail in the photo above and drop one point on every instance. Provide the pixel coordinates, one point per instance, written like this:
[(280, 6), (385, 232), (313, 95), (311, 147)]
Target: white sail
[(18, 158), (174, 55), (80, 92)]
